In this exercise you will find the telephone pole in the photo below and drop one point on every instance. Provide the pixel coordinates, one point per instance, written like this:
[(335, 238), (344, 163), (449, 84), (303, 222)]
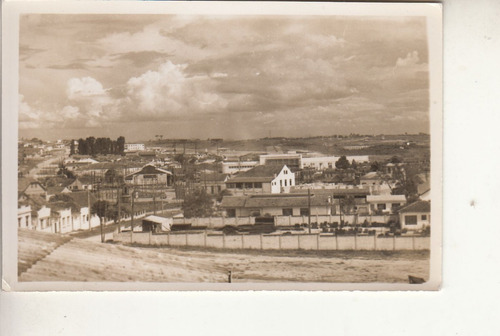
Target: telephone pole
[(309, 207)]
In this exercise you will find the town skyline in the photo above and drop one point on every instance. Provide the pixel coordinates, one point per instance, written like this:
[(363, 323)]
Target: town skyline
[(231, 77)]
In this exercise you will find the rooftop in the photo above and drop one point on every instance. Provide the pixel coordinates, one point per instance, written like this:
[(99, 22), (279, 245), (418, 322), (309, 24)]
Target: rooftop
[(419, 206), (258, 174)]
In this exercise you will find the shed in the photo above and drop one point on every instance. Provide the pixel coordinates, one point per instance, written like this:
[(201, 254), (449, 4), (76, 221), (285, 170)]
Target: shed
[(156, 224)]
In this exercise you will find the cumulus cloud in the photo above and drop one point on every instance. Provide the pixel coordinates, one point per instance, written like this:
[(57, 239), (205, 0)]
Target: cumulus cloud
[(169, 91), (84, 87), (410, 59)]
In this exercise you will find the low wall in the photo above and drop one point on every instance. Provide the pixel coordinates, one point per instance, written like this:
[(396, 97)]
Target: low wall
[(219, 222), (277, 242)]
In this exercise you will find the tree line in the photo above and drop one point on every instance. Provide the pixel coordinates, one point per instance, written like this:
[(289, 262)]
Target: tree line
[(93, 146)]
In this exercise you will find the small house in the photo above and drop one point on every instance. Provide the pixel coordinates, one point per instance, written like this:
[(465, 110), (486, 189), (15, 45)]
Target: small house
[(416, 216)]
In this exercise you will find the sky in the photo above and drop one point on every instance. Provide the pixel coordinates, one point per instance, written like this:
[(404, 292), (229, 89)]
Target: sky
[(231, 77)]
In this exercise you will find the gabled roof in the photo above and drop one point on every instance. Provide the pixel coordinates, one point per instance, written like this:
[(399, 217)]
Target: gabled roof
[(24, 182), (81, 198), (419, 206), (56, 190), (36, 201), (265, 173), (150, 169)]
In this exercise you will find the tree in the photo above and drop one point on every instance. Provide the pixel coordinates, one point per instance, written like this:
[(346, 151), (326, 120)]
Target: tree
[(354, 164), (395, 159), (197, 203), (375, 166), (100, 208), (72, 147), (120, 145), (342, 163)]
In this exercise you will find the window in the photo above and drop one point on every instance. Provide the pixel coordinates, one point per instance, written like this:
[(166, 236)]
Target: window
[(285, 183), (395, 205), (290, 181), (257, 185), (288, 212), (19, 221), (304, 211), (424, 217), (281, 183), (411, 220), (381, 206)]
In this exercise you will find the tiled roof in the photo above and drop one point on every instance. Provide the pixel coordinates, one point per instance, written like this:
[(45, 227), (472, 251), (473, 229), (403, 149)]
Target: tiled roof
[(340, 191), (24, 182), (419, 206), (274, 200), (213, 177), (150, 169), (233, 201), (81, 198), (257, 174), (386, 198), (36, 202)]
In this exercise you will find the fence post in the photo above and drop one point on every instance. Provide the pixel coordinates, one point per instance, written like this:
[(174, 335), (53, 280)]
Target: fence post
[(317, 241), (242, 242), (279, 241), (186, 238), (375, 241), (223, 240), (261, 244), (131, 237), (394, 243), (205, 239), (236, 220), (355, 241), (290, 220), (150, 237), (298, 241), (413, 242), (336, 241)]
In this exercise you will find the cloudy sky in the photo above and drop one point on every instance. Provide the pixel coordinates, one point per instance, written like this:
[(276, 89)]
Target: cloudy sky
[(231, 77)]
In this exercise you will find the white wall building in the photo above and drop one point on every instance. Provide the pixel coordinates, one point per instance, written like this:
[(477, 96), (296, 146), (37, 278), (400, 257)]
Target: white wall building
[(24, 217), (235, 167), (385, 203), (134, 147)]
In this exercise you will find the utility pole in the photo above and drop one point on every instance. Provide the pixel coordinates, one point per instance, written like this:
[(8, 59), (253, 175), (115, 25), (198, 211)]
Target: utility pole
[(132, 216), (89, 212), (309, 207), (154, 198), (119, 209)]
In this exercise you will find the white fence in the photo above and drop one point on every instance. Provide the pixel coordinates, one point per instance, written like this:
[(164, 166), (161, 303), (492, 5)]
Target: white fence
[(219, 222), (276, 242)]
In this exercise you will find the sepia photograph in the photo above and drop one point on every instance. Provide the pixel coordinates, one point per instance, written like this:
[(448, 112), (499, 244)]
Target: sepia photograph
[(230, 147)]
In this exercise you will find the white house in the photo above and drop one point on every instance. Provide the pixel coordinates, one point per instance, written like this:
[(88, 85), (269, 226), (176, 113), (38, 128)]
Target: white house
[(262, 180), (24, 217), (385, 203), (416, 216)]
